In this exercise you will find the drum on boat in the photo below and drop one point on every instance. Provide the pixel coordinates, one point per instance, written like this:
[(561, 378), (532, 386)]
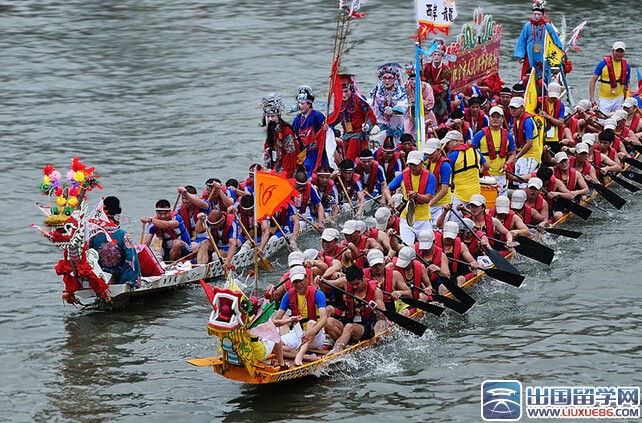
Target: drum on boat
[(489, 189)]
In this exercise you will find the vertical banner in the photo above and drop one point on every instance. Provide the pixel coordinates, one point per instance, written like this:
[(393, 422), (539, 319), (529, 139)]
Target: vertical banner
[(433, 16), (420, 122)]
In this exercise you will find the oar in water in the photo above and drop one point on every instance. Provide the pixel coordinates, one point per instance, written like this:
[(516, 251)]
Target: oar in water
[(561, 232), (311, 223), (412, 302), (634, 176), (411, 325), (615, 200), (632, 162), (500, 275), (578, 209), (376, 199), (622, 182), (263, 262), (532, 249), (498, 260)]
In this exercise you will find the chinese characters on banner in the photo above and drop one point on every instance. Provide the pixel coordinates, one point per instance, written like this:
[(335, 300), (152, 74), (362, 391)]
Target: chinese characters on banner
[(434, 15)]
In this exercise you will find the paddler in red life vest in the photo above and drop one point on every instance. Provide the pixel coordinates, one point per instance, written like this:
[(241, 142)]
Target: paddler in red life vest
[(388, 280), (572, 179), (389, 159), (467, 163), (475, 116), (497, 145), (529, 215), (246, 214), (372, 177), (614, 74), (360, 322), (357, 244), (469, 240), (295, 258), (191, 206), (458, 124), (527, 140), (486, 223), (330, 247), (426, 248), (418, 186), (605, 147), (580, 162), (217, 195), (453, 247), (308, 307), (628, 137), (633, 120), (356, 117), (413, 272), (327, 190), (553, 112), (169, 227), (535, 197), (405, 146), (225, 231), (308, 203), (352, 183), (504, 100), (381, 237), (508, 218), (440, 167)]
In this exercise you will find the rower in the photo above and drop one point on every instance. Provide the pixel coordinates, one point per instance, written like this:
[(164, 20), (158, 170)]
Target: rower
[(580, 161), (535, 197), (386, 220), (389, 159), (610, 126), (432, 254), (378, 235), (485, 222), (474, 116), (633, 120), (453, 247), (573, 181), (470, 240), (440, 167), (308, 307), (327, 190), (508, 218), (308, 203), (191, 206), (498, 147), (169, 227), (605, 156), (217, 195), (388, 280), (406, 145), (246, 215), (628, 137), (356, 243), (413, 272), (372, 176), (351, 181), (528, 214), (225, 232), (554, 188)]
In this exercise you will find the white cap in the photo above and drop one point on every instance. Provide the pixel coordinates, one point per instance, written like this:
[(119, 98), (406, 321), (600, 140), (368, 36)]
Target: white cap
[(310, 254), (361, 226), (620, 115), (518, 199), (451, 229), (452, 135), (405, 256), (349, 227), (375, 257), (560, 156), (535, 183), (630, 102), (619, 45), (297, 273), (432, 145), (478, 200), (516, 102), (581, 147), (381, 216), (588, 138), (415, 157), (295, 259), (426, 239), (554, 90), (496, 109), (610, 123), (330, 234), (466, 224), (502, 204), (583, 104)]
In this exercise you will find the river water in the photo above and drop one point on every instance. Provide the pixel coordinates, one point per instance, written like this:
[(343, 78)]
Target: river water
[(162, 94)]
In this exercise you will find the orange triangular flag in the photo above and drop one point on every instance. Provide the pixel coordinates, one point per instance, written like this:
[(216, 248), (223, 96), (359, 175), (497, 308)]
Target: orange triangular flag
[(272, 193)]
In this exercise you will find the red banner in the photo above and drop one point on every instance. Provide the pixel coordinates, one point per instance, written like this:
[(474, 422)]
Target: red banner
[(474, 66)]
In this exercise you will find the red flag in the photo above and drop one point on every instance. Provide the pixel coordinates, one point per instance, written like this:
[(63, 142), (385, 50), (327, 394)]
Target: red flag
[(208, 291), (273, 192), (335, 83)]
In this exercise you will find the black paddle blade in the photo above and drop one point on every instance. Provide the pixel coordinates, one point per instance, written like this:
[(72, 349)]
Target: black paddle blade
[(578, 209), (623, 183), (632, 162), (564, 232), (427, 307), (634, 176), (413, 326), (506, 277), (500, 261), (637, 148), (465, 300), (534, 250), (615, 200)]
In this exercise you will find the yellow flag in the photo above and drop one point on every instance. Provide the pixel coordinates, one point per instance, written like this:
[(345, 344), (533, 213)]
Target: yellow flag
[(530, 95), (552, 53)]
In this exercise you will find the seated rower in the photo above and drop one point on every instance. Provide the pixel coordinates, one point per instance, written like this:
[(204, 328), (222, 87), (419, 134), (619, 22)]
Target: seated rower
[(191, 206), (308, 204), (246, 215), (413, 272), (453, 247), (535, 197), (357, 244), (217, 195), (359, 322), (389, 281), (508, 218), (486, 223), (385, 221), (437, 261), (572, 179), (289, 222), (117, 255), (350, 184), (381, 237), (633, 120), (555, 188), (469, 240), (168, 226), (327, 190), (247, 187), (389, 159), (308, 307), (604, 156), (225, 232), (529, 215), (623, 133), (581, 164), (372, 177)]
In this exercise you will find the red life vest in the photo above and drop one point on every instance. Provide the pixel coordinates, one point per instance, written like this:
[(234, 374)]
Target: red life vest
[(423, 180), (539, 203), (437, 250), (586, 169), (635, 122), (455, 253), (386, 285), (374, 234), (360, 247), (418, 269), (526, 213), (187, 219), (613, 80), (173, 233), (479, 120), (366, 311), (437, 169), (309, 299), (490, 144), (350, 186), (520, 137), (507, 223), (305, 197), (572, 177), (328, 187), (373, 176), (489, 226), (225, 236), (390, 169)]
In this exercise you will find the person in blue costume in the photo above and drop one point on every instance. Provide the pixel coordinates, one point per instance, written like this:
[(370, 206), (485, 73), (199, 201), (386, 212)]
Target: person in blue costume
[(307, 124), (530, 44), (116, 255)]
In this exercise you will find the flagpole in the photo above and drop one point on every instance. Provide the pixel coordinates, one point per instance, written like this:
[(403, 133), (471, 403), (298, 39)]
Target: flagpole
[(420, 126), (256, 251)]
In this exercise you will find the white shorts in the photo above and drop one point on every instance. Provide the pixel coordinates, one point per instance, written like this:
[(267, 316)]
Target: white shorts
[(609, 106), (524, 166), (409, 234), (435, 212), (292, 339)]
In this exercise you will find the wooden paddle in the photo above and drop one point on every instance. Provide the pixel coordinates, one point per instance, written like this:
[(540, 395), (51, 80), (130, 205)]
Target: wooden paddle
[(412, 302), (498, 260), (615, 200), (500, 275), (345, 192), (218, 253), (532, 249), (311, 223), (142, 234), (411, 325), (560, 232), (176, 202), (634, 176), (264, 263)]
